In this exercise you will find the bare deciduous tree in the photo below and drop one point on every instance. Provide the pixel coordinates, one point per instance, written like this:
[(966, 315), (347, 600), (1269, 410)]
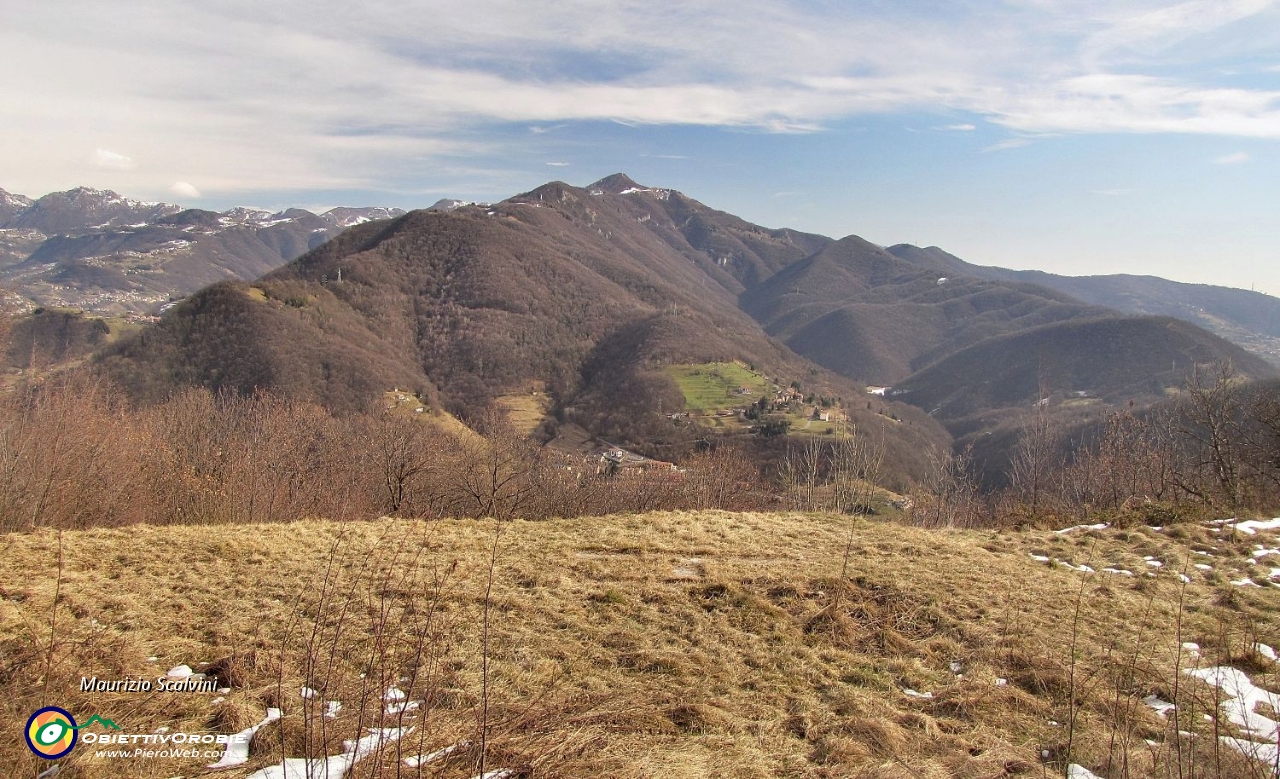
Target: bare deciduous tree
[(950, 496), (1036, 460), (1210, 424)]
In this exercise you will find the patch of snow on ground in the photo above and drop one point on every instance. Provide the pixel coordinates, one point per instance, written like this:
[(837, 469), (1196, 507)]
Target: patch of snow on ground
[(1191, 647), (1120, 571), (307, 693), (335, 766), (1266, 652), (1039, 558), (1245, 582), (1075, 771), (1242, 698), (439, 754), (237, 751), (1184, 578), (331, 709), (1099, 526), (179, 672), (1080, 568), (1250, 526), (1159, 705), (1263, 753), (1204, 567), (399, 708), (913, 694)]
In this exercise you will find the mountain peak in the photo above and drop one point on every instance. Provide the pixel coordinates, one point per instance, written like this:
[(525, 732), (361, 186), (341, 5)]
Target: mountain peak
[(13, 197), (450, 204), (616, 184), (89, 197), (87, 192), (344, 216), (85, 208), (11, 205)]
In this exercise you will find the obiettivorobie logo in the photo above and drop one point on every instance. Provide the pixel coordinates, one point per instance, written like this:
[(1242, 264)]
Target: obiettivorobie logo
[(52, 732)]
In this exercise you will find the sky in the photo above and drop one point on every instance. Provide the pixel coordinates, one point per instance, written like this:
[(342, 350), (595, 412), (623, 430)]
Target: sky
[(1074, 136)]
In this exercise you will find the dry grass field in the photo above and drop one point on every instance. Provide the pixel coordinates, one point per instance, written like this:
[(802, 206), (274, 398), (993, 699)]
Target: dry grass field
[(661, 645), (526, 411)]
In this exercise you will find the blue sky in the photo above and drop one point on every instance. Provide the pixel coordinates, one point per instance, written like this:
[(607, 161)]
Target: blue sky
[(1074, 136)]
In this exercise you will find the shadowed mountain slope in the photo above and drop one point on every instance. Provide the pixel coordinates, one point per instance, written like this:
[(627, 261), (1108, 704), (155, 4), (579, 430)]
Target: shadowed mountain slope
[(1115, 359), (868, 314), (1246, 318)]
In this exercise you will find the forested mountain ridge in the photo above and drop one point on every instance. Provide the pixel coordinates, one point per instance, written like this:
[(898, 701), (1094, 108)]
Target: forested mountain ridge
[(588, 292)]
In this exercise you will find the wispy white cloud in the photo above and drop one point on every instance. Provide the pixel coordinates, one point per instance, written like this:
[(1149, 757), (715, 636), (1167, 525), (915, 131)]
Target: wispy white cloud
[(1127, 103), (1145, 29), (1008, 143), (105, 158), (354, 98), (184, 189), (1233, 159), (558, 164)]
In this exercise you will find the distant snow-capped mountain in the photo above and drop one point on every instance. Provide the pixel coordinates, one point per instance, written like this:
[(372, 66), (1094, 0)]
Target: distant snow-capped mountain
[(350, 217), (11, 205), (449, 204), (112, 255), (85, 208)]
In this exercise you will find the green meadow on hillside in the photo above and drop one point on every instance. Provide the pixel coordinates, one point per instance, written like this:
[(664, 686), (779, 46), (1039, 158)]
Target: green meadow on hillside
[(714, 386)]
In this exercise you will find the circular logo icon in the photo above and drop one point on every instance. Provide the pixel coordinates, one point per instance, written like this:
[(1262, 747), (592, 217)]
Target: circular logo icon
[(51, 732)]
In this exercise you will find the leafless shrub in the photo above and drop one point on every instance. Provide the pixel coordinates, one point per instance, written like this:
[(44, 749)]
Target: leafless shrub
[(949, 497), (69, 456)]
